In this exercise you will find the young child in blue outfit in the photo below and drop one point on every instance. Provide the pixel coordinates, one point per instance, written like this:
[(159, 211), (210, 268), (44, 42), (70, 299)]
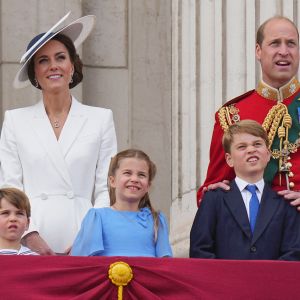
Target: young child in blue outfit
[(130, 226), (14, 221)]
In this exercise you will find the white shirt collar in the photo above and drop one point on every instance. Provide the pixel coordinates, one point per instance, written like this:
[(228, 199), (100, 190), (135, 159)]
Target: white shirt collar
[(242, 184)]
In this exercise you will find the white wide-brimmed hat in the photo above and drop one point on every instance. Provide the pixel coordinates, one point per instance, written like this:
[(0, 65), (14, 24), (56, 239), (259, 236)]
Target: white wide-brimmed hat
[(77, 31)]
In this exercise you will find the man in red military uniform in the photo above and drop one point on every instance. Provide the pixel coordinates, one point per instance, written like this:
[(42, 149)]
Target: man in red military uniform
[(275, 104)]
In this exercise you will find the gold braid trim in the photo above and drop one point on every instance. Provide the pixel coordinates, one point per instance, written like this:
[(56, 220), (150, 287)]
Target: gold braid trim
[(278, 121), (272, 121), (224, 122), (227, 116)]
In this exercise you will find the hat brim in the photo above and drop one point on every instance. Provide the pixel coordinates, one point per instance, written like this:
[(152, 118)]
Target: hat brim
[(77, 31)]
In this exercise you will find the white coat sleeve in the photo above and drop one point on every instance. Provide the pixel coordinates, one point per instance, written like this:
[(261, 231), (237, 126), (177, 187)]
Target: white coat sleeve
[(11, 167)]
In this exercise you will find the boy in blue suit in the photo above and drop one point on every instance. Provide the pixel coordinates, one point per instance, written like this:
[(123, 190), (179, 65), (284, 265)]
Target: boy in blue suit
[(249, 221)]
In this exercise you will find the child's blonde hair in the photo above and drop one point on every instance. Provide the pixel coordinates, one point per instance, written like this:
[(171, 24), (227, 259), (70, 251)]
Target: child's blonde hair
[(145, 201), (245, 126), (17, 198)]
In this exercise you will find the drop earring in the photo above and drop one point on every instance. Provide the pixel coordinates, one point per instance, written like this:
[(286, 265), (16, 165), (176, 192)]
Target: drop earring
[(36, 84), (71, 81)]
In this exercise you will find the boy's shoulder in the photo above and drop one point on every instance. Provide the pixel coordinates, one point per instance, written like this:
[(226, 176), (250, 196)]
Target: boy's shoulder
[(216, 192), (8, 252), (214, 197), (22, 251), (26, 251), (220, 192)]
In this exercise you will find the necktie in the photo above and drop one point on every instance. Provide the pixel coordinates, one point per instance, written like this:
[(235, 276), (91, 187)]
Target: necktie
[(253, 205)]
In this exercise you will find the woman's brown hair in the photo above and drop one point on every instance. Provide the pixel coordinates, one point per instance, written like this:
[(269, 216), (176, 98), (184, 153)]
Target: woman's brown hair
[(74, 57)]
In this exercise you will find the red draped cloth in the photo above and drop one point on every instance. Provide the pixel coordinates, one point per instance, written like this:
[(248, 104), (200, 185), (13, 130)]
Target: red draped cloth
[(60, 277)]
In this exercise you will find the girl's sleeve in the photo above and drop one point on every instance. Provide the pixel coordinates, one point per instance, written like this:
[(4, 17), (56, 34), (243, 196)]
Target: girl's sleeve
[(89, 240), (163, 248)]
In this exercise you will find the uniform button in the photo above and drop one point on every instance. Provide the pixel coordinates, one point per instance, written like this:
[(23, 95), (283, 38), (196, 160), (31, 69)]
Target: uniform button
[(292, 185), (70, 194), (253, 249), (44, 196)]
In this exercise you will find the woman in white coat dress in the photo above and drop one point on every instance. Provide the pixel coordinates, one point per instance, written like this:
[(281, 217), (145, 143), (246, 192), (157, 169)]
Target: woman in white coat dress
[(58, 150)]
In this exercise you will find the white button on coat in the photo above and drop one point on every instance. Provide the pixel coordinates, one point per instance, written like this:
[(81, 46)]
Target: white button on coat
[(44, 196), (70, 194)]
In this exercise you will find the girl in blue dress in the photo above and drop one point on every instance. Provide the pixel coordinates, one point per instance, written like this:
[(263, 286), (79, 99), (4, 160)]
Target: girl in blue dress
[(130, 226)]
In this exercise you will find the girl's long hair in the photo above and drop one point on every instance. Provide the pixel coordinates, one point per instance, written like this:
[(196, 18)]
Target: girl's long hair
[(145, 201)]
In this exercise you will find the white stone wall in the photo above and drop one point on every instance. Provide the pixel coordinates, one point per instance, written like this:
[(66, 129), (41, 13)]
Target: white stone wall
[(128, 69)]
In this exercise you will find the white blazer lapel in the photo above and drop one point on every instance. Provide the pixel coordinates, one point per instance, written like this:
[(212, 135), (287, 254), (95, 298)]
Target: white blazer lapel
[(73, 125), (45, 134)]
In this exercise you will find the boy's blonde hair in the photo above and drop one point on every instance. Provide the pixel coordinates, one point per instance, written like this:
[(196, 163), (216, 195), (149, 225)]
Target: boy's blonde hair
[(115, 164), (246, 126), (17, 198)]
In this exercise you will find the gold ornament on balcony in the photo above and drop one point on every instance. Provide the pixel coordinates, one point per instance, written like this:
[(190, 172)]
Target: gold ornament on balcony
[(120, 275)]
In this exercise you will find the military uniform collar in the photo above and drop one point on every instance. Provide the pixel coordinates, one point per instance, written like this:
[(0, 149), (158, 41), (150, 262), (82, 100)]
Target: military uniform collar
[(280, 94)]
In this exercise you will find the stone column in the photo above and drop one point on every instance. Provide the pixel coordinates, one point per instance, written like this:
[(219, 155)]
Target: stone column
[(128, 69), (184, 127)]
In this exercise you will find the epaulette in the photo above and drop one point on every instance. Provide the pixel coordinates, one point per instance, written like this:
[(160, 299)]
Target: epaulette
[(238, 98), (228, 113)]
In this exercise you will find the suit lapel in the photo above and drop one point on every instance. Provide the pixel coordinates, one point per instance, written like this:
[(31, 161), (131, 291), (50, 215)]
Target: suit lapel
[(73, 125), (45, 134), (235, 203), (268, 207)]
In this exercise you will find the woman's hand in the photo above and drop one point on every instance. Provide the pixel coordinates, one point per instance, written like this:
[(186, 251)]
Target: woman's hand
[(68, 251), (34, 242)]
